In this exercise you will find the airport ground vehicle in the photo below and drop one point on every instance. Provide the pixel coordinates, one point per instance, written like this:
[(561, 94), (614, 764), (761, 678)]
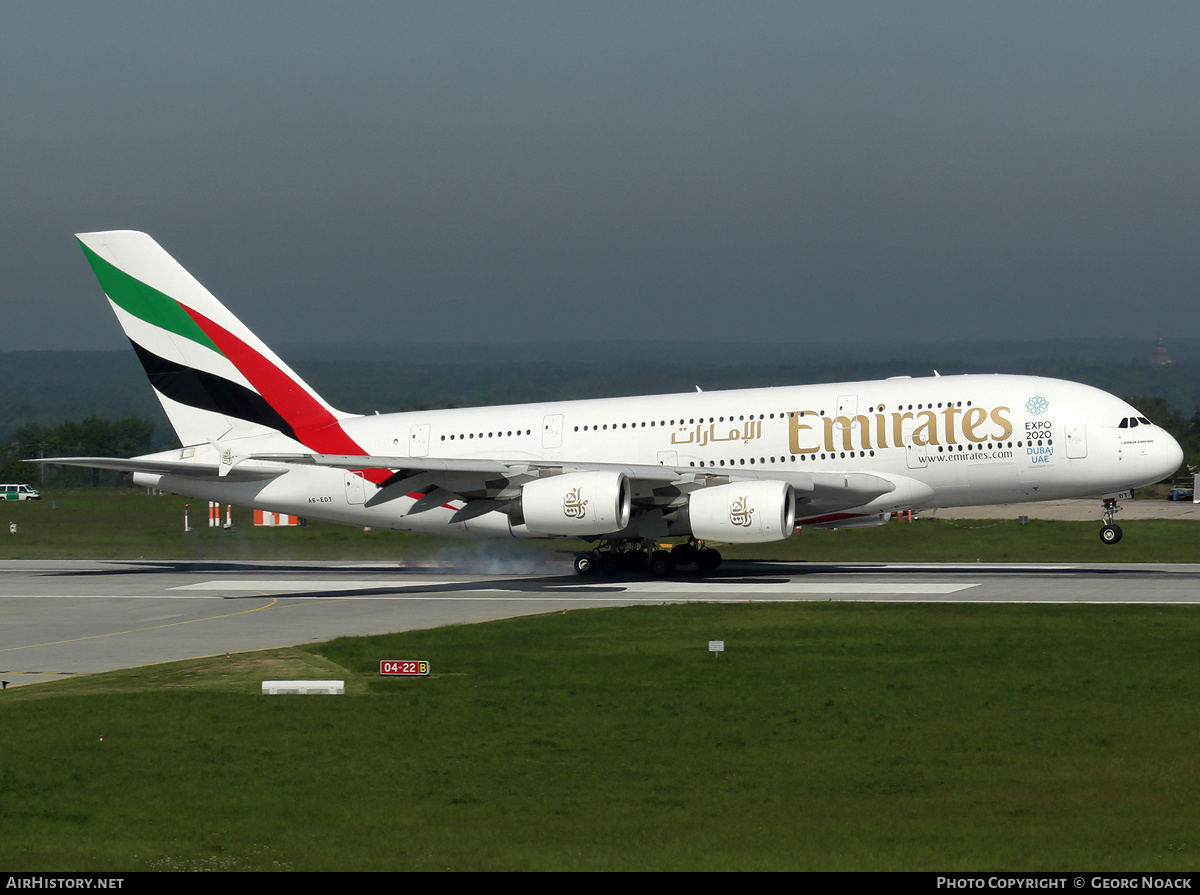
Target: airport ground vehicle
[(19, 492)]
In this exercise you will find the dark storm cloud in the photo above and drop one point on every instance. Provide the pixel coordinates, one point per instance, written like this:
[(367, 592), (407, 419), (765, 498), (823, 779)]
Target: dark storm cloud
[(444, 172)]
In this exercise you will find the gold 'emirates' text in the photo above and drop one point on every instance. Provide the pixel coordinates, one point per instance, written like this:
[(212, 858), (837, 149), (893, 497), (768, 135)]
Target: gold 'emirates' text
[(881, 430)]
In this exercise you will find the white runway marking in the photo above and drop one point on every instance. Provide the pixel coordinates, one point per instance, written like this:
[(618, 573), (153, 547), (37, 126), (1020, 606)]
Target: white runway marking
[(979, 566), (306, 585), (109, 597), (693, 589), (788, 587)]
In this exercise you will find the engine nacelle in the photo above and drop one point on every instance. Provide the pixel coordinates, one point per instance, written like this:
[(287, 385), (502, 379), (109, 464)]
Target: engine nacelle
[(745, 513), (577, 504)]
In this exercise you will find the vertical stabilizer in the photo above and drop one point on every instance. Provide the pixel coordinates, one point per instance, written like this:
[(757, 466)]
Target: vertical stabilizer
[(215, 379)]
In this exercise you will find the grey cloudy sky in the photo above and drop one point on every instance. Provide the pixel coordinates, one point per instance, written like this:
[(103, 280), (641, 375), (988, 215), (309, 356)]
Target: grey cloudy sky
[(456, 172)]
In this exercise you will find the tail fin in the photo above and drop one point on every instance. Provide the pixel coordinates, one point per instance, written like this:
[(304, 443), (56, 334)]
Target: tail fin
[(215, 379)]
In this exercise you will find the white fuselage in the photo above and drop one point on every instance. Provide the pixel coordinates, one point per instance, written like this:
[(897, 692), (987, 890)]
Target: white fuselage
[(942, 441)]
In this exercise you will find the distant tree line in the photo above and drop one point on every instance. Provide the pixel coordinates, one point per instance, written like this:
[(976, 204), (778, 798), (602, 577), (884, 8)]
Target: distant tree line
[(93, 437)]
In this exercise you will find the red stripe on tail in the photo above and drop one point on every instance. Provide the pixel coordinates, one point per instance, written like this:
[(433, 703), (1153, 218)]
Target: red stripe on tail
[(315, 427)]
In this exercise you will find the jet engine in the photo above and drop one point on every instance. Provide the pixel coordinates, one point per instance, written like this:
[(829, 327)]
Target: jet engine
[(577, 504), (743, 513)]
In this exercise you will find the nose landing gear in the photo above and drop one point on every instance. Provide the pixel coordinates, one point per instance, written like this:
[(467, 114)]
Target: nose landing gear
[(1110, 533)]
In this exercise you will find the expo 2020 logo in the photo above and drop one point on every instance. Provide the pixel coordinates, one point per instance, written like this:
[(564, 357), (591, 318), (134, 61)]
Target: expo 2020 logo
[(1037, 405)]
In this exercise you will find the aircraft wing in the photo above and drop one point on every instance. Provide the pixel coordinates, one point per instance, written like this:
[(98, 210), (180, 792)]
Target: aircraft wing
[(170, 467), (468, 466), (662, 486), (497, 481)]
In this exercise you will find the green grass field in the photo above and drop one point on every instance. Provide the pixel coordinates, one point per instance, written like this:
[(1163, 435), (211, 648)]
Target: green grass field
[(827, 736), (125, 523)]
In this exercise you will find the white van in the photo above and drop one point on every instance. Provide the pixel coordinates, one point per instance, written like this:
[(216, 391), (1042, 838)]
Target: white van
[(19, 492)]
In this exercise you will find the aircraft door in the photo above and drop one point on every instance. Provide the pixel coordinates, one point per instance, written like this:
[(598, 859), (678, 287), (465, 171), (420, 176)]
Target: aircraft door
[(355, 489), (916, 455), (418, 441), (847, 408), (1076, 442), (668, 458), (552, 430)]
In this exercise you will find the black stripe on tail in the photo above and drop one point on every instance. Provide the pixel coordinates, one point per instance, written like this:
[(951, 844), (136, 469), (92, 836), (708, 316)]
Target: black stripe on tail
[(207, 391)]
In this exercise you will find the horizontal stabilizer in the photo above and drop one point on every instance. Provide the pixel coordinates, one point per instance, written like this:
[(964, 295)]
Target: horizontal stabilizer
[(169, 467), (363, 461)]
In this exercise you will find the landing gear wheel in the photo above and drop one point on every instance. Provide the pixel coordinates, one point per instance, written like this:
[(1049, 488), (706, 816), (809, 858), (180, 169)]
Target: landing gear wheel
[(1110, 534), (585, 564), (683, 554), (661, 564), (608, 563), (708, 559), (634, 561)]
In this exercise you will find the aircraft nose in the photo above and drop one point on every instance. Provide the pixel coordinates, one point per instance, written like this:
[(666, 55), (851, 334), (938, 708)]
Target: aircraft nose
[(1172, 454)]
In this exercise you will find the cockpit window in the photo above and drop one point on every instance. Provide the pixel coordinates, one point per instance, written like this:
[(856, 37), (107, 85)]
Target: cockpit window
[(1144, 421), (1124, 423)]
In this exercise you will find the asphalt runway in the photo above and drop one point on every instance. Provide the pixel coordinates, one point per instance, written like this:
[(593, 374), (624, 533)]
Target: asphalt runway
[(63, 618)]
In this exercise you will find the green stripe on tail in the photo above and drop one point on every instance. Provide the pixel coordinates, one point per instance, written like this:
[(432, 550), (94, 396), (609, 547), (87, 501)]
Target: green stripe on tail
[(145, 302)]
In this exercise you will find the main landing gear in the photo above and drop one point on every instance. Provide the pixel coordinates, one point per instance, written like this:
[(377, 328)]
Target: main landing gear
[(1110, 533), (637, 556)]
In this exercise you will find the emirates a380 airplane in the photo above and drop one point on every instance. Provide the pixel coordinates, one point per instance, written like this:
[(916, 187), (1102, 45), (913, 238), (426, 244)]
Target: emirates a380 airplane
[(623, 473)]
